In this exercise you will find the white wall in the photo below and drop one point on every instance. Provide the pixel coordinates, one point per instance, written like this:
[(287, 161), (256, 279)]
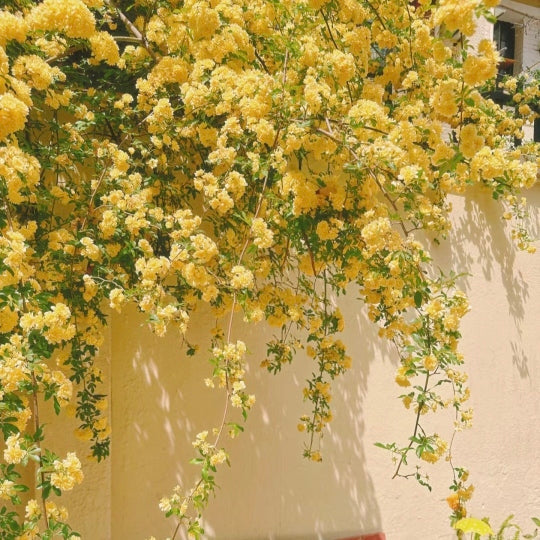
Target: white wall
[(527, 23)]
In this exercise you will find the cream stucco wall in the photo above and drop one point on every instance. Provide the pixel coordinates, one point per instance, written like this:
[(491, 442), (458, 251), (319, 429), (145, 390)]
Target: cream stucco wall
[(159, 403)]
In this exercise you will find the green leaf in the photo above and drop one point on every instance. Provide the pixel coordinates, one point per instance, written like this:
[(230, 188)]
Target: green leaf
[(536, 521), (56, 405), (473, 525), (236, 428), (9, 429), (382, 445), (46, 490), (418, 299)]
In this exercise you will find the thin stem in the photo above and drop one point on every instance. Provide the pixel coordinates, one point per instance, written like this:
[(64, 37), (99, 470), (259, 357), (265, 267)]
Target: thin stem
[(126, 39), (34, 391), (132, 28), (413, 63), (336, 46), (284, 80), (420, 407), (416, 427), (176, 530), (328, 28), (262, 62), (376, 13), (311, 258), (64, 54), (390, 200), (321, 364), (36, 427)]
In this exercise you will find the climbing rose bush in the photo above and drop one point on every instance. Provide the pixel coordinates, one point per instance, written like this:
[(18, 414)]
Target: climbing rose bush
[(260, 157)]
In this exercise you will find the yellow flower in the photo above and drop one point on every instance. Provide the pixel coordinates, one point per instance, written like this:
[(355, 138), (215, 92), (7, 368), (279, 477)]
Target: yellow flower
[(430, 457), (457, 15), (470, 142), (241, 277), (13, 113), (219, 457), (205, 249), (67, 473), (479, 69), (8, 319), (453, 501), (104, 48), (263, 237), (203, 21), (34, 70), (69, 16), (12, 27), (430, 362), (117, 299), (325, 231), (13, 453), (90, 250), (401, 377), (83, 434), (343, 66)]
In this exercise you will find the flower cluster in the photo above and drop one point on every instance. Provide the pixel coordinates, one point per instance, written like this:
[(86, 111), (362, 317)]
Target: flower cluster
[(67, 473)]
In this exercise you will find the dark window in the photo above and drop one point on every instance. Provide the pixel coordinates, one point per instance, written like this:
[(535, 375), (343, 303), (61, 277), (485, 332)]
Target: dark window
[(504, 35), (537, 130)]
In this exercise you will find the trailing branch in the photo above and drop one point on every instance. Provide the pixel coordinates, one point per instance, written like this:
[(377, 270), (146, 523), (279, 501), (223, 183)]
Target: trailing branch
[(137, 34)]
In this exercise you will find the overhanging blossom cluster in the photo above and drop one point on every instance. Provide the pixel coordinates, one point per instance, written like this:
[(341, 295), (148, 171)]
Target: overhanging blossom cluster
[(257, 156)]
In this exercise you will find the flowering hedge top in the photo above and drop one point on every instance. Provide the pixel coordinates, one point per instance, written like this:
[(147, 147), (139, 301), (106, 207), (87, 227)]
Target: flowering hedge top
[(255, 156)]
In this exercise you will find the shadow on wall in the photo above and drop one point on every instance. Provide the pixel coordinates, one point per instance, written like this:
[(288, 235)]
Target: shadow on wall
[(500, 344), (482, 238), (160, 402)]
